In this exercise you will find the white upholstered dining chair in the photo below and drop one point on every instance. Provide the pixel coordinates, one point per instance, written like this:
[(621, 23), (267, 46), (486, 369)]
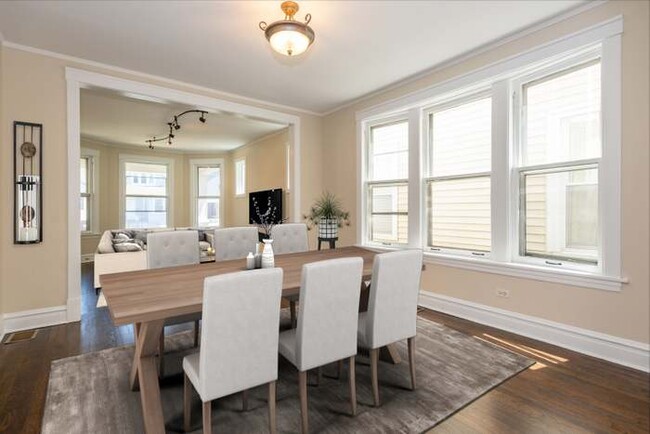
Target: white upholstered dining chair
[(327, 323), (392, 308), (173, 249), (290, 238), (239, 342), (234, 243)]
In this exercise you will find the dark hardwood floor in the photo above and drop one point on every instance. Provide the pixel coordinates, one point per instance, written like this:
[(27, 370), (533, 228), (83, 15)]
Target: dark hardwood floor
[(565, 392)]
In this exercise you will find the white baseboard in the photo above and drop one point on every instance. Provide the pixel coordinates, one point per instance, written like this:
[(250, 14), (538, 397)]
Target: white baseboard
[(611, 348), (89, 257), (36, 318)]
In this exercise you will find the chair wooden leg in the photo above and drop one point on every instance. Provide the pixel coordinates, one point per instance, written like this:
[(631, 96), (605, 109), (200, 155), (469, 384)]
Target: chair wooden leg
[(374, 361), (411, 345), (353, 386), (304, 416), (196, 333), (292, 310), (244, 400), (340, 369), (187, 403), (319, 376), (272, 422), (207, 417), (161, 354)]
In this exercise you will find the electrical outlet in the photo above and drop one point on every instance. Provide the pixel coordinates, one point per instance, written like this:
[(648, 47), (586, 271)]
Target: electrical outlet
[(503, 293)]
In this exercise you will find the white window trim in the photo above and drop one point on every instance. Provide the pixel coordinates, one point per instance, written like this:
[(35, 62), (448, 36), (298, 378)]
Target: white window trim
[(605, 38), (194, 188), (169, 162), (93, 158), (244, 177)]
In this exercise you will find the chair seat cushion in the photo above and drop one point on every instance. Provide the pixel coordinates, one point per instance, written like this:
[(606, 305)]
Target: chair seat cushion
[(361, 330), (191, 369), (287, 345)]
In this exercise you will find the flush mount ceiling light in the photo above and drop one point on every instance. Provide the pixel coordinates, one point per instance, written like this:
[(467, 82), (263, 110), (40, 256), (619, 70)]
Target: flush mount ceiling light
[(288, 36)]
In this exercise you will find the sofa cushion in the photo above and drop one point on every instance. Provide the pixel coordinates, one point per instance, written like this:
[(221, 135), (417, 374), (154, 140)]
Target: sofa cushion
[(128, 246)]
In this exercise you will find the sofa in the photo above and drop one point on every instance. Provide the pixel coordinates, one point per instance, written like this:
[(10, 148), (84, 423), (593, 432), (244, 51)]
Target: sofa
[(125, 250)]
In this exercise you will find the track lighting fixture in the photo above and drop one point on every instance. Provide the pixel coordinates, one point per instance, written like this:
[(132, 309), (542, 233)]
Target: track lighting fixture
[(174, 125)]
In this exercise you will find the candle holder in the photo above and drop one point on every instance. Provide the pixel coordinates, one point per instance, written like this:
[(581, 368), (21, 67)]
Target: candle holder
[(28, 177)]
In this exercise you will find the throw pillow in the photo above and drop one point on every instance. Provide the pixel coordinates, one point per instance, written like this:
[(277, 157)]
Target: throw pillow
[(127, 247)]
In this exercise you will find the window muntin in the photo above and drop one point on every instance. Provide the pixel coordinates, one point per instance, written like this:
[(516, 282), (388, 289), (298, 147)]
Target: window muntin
[(387, 186), (457, 190), (145, 195), (240, 177), (208, 199), (560, 149), (86, 196)]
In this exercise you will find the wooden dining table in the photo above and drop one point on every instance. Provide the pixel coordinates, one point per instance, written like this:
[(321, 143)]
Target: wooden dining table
[(147, 298)]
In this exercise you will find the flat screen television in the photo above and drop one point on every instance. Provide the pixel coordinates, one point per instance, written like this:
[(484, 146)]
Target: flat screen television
[(265, 203)]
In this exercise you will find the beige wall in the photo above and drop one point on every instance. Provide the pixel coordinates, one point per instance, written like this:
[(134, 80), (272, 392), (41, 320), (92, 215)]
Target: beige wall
[(266, 168), (109, 193), (623, 314), (33, 89)]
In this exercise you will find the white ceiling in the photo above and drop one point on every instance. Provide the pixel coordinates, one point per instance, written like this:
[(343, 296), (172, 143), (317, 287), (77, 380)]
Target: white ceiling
[(112, 118), (360, 46)]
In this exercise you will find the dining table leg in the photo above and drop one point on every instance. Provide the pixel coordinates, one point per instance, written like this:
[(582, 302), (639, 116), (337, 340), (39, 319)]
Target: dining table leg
[(144, 373)]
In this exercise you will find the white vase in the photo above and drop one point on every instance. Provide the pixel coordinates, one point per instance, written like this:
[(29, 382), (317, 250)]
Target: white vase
[(268, 260), (328, 228)]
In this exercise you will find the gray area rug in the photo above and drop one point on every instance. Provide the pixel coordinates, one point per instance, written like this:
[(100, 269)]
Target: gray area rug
[(89, 393)]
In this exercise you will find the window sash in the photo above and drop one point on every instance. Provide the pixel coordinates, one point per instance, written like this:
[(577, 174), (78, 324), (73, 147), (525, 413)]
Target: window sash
[(240, 177), (88, 195), (580, 257), (370, 213)]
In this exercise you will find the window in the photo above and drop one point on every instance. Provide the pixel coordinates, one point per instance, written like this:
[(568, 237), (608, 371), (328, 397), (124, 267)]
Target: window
[(559, 155), (88, 189), (511, 169), (387, 185), (240, 177), (206, 184), (85, 188), (458, 182), (146, 194)]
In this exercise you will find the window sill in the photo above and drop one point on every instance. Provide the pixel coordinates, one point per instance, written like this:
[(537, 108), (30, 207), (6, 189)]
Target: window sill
[(90, 234), (525, 271)]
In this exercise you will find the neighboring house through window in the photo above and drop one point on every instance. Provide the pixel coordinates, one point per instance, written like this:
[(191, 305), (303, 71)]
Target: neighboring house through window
[(240, 177), (206, 186), (145, 192)]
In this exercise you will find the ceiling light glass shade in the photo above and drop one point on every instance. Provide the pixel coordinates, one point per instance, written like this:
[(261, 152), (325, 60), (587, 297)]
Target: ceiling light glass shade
[(289, 37)]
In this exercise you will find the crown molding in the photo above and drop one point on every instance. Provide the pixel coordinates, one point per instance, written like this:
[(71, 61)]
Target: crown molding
[(218, 93), (510, 37)]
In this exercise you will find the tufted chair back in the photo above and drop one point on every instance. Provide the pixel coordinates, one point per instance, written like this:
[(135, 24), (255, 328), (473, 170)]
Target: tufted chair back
[(172, 249), (234, 243), (290, 238)]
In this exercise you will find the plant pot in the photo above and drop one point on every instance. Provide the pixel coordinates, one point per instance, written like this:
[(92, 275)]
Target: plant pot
[(328, 228)]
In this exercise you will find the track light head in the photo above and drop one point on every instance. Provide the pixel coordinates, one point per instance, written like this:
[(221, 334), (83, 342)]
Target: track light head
[(202, 118)]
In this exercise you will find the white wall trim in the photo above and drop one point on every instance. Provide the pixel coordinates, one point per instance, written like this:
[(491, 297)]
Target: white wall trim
[(514, 36), (35, 318), (499, 70), (76, 79), (190, 86), (624, 352), (88, 257)]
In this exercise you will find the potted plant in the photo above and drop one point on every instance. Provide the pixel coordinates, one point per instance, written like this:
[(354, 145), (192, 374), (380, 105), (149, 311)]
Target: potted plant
[(328, 214)]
